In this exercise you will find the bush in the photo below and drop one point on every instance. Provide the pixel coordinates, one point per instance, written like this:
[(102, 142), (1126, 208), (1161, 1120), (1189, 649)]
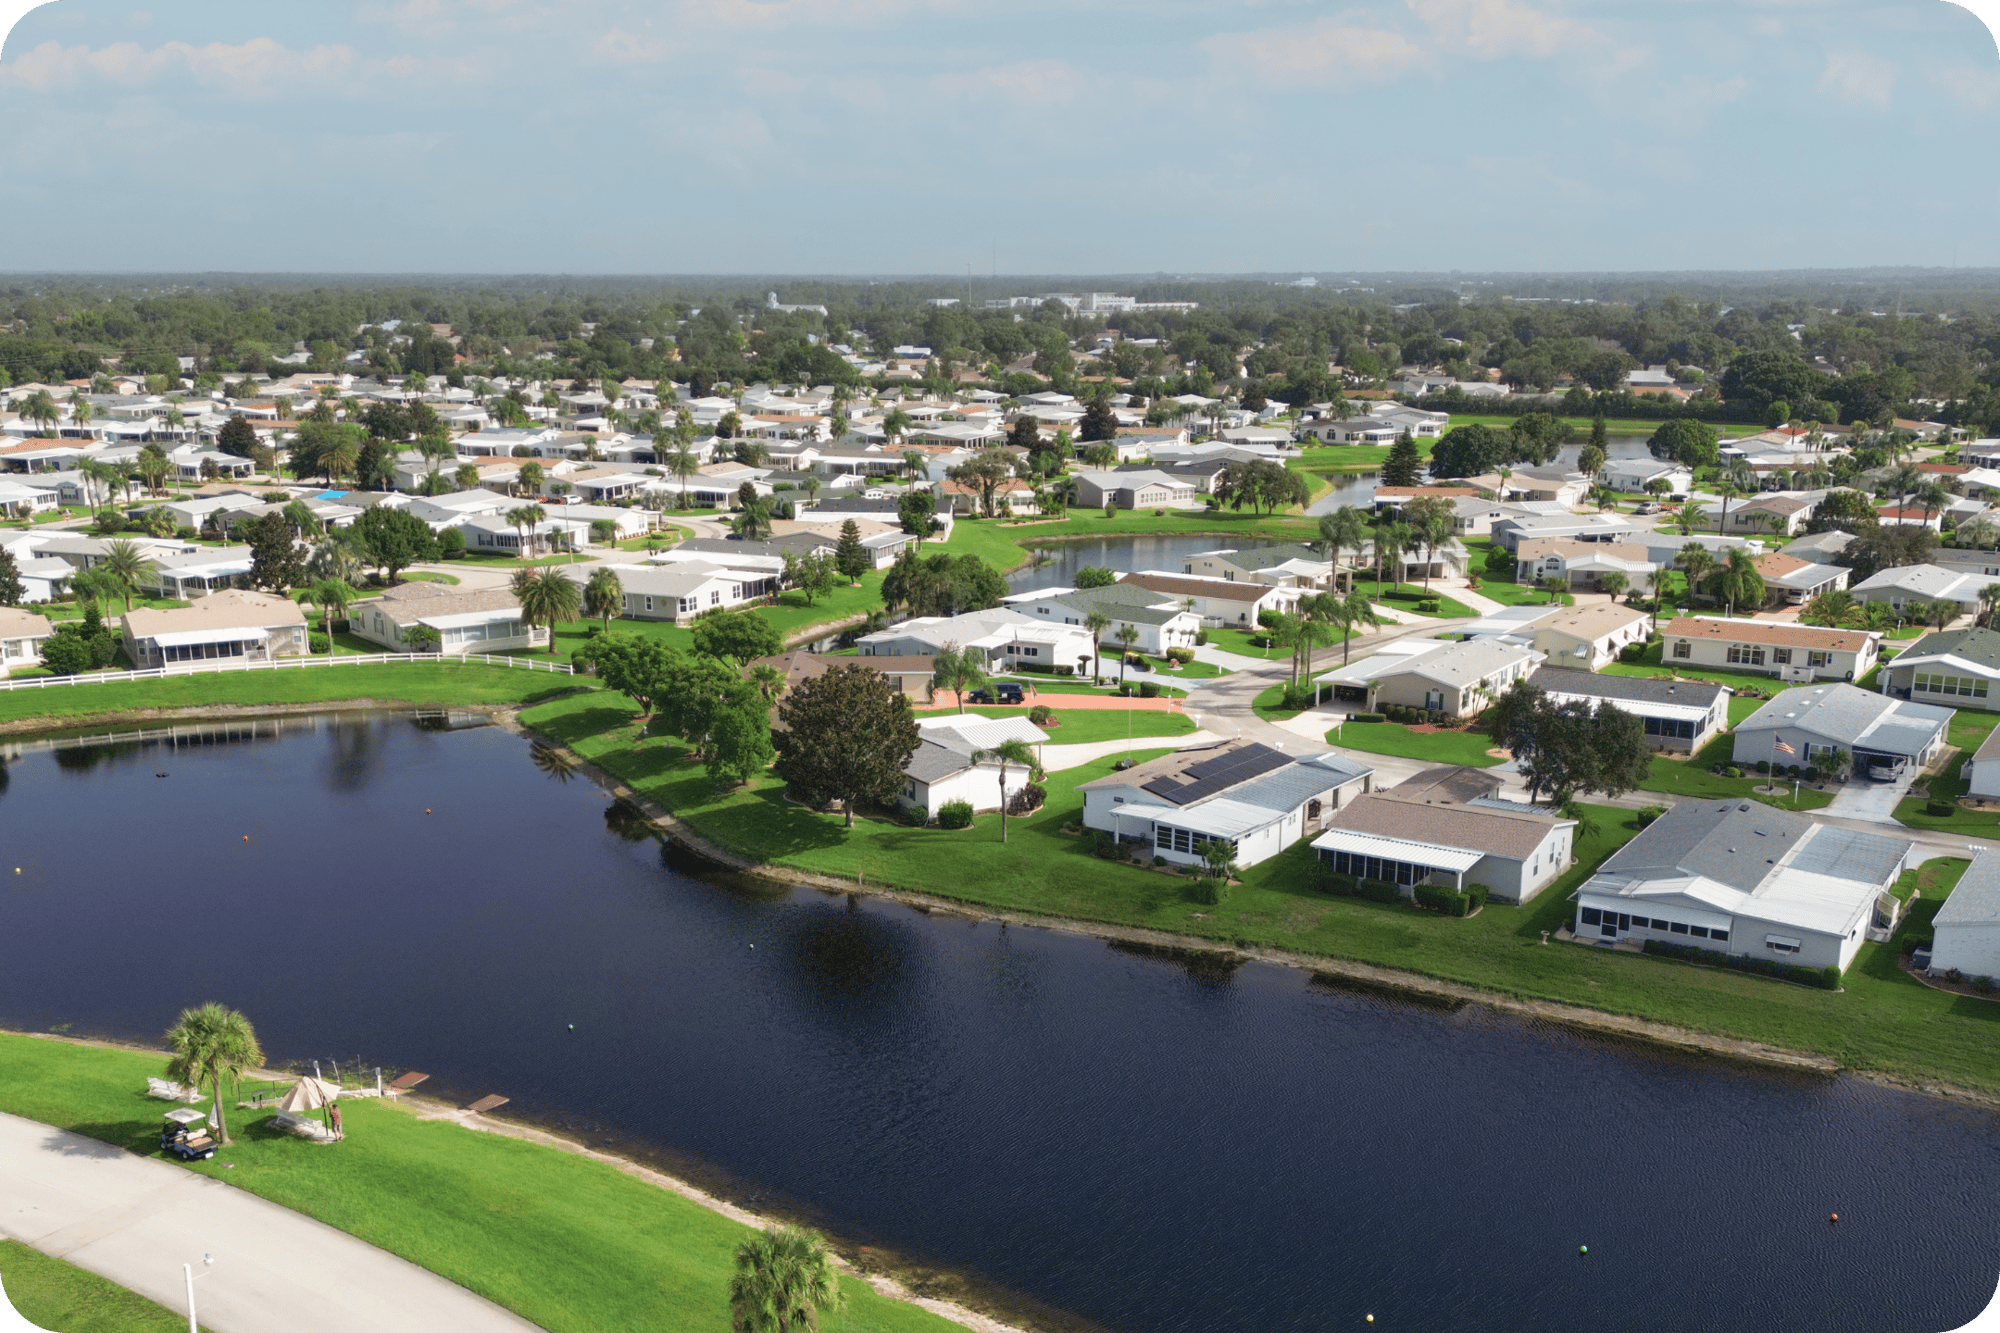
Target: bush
[(1297, 696), (1328, 880), (1937, 809), (1830, 976), (1149, 689), (1437, 898), (66, 654), (1982, 984), (1429, 606), (956, 814), (1479, 893), (1763, 766), (1732, 772), (1028, 800), (1201, 638), (1366, 717), (1792, 972), (1065, 671), (1212, 892), (320, 644), (1104, 846), (452, 542), (1379, 891), (1125, 691), (1159, 860), (1632, 652), (1648, 813), (1812, 774), (1041, 714), (1181, 655)]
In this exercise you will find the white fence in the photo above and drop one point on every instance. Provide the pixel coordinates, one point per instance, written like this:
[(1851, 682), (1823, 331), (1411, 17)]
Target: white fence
[(280, 664)]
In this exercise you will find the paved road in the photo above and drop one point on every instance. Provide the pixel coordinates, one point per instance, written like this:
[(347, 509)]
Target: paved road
[(136, 1221)]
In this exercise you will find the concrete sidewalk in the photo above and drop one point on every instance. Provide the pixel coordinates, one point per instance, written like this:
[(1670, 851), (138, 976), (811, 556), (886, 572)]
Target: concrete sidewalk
[(135, 1221)]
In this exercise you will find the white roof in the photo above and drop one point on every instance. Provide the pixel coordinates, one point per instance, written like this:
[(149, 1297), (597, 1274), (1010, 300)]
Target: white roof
[(1220, 817), (1455, 859), (463, 618), (984, 732)]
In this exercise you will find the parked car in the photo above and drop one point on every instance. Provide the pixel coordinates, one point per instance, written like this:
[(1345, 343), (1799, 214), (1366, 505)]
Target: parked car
[(1888, 772), (1010, 692), (1648, 507), (982, 695)]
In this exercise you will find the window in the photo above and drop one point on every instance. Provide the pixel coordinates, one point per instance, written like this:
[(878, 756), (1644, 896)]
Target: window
[(1376, 868), (1682, 648), (1779, 944), (1781, 656), (715, 597), (1699, 932), (1031, 652), (1667, 728), (1677, 928), (1722, 935), (1965, 687), (1746, 654), (1591, 916)]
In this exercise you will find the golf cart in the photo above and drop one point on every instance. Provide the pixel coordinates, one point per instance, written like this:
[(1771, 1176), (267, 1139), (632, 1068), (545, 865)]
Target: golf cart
[(186, 1136)]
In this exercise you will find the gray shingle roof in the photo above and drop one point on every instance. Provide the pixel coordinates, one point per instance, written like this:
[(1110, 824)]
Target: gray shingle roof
[(1736, 843), (1852, 717), (1636, 689), (1977, 897), (1974, 645)]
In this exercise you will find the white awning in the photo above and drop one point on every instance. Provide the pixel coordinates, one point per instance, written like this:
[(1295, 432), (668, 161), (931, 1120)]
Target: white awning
[(1786, 940), (462, 619), (1637, 707), (1398, 849), (182, 637)]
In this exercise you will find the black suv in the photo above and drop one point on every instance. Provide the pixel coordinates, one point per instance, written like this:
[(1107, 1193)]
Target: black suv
[(1010, 693)]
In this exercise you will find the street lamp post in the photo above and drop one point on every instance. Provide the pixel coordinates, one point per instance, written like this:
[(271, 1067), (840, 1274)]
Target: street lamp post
[(207, 1260)]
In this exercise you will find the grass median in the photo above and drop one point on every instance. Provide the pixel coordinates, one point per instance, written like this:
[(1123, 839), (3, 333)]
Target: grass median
[(52, 1294), (1438, 747), (422, 684), (572, 1244)]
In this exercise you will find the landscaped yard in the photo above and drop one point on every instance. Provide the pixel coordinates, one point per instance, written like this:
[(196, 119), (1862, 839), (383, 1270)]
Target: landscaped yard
[(417, 683), (1968, 731), (1883, 1021), (570, 1244), (1690, 777), (1075, 726), (52, 1294), (1441, 747)]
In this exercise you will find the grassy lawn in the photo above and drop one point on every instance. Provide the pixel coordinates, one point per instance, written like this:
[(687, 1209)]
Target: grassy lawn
[(52, 1294), (1652, 665), (514, 562), (1040, 685), (1440, 747), (1351, 457), (1405, 596), (74, 610), (1690, 777), (1883, 1021), (419, 683), (571, 1244), (1076, 726), (1509, 593), (1266, 705), (1968, 731), (1245, 643)]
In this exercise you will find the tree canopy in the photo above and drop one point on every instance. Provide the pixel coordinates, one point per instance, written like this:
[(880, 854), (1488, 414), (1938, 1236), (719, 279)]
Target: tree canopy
[(849, 734)]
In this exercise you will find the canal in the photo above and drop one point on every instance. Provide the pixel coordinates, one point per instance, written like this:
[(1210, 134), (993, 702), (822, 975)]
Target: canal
[(1153, 1145)]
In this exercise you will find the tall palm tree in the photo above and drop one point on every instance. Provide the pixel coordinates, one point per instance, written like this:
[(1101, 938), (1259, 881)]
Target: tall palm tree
[(332, 596), (1695, 561), (1127, 636), (603, 595), (684, 463), (1934, 497), (123, 561), (1345, 529), (1356, 609), (1941, 612), (524, 519), (1005, 753), (916, 462), (783, 1280), (1728, 490), (79, 409), (548, 598), (1688, 517), (1096, 622), (1989, 602), (212, 1043), (1736, 579), (1391, 540)]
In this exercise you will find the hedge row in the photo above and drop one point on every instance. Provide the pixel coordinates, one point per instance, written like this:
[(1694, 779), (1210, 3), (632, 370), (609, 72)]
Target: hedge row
[(1828, 977)]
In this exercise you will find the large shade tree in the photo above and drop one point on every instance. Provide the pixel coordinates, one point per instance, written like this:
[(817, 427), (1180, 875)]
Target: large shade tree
[(849, 735)]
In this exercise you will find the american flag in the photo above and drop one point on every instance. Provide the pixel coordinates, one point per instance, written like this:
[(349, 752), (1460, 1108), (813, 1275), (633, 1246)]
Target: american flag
[(1781, 744)]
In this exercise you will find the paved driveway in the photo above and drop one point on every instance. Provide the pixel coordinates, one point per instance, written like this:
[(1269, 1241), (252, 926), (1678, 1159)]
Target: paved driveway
[(136, 1221), (1873, 801)]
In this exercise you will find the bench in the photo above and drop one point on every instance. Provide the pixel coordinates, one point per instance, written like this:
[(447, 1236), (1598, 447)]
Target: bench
[(304, 1126)]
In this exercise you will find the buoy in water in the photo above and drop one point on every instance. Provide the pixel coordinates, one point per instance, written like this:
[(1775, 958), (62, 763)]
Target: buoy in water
[(246, 837), (1583, 1249), (427, 809), (572, 1027), (1371, 1318), (1833, 1217)]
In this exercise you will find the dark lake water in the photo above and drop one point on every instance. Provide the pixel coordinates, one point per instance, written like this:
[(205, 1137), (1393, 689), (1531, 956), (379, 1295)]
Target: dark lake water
[(1149, 1145)]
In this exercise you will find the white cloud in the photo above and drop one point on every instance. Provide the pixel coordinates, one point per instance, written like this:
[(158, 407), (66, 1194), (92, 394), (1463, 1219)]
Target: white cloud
[(1855, 77), (1311, 52), (1492, 28), (622, 46), (253, 67), (1033, 82)]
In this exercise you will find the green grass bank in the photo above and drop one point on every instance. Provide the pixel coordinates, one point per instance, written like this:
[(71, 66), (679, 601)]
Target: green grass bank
[(52, 1294)]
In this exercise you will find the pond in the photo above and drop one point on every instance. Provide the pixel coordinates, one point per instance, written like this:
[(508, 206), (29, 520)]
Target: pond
[(1149, 1144)]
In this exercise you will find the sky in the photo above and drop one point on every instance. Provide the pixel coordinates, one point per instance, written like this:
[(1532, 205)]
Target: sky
[(922, 136)]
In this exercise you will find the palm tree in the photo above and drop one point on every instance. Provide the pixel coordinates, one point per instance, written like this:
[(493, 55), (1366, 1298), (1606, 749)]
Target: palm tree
[(547, 598), (332, 597), (1345, 529), (1356, 609), (1127, 636), (212, 1043), (783, 1280), (1391, 540), (1941, 613), (1989, 602), (525, 518), (1933, 496), (683, 463), (603, 595), (1837, 606), (125, 562), (1688, 517), (79, 409), (467, 475), (96, 475), (917, 463), (1695, 561), (1096, 622), (1005, 753), (1728, 490), (1613, 583), (1736, 579)]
